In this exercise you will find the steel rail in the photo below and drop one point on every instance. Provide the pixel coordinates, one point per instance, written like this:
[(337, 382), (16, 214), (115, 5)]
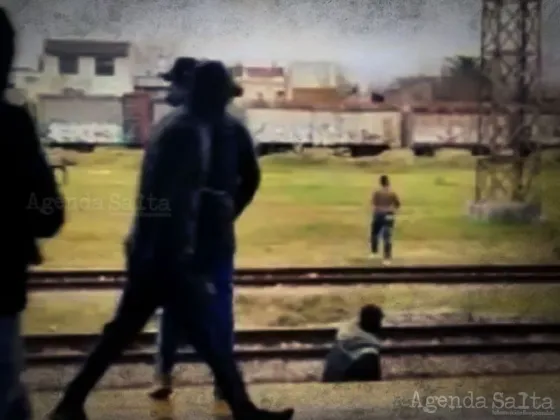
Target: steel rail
[(345, 270), (277, 336), (313, 352), (330, 276), (313, 343)]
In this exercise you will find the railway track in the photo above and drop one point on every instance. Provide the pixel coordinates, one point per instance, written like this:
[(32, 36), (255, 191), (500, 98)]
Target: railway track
[(307, 343), (321, 276)]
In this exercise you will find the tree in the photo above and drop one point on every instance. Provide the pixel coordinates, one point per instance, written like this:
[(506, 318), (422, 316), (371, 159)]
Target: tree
[(464, 66), (463, 70)]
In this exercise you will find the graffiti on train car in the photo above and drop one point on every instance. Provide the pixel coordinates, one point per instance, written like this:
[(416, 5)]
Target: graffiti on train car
[(445, 128), (274, 133), (449, 128), (91, 133), (298, 126)]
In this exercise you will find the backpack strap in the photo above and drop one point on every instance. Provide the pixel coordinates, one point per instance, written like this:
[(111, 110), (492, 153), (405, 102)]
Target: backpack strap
[(204, 134)]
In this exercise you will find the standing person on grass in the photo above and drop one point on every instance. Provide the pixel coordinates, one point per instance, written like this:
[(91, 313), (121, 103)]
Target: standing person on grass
[(31, 208), (385, 202)]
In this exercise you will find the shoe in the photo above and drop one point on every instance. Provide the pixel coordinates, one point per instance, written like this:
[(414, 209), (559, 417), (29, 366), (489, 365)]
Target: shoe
[(221, 408), (67, 412), (386, 262), (163, 388), (258, 414)]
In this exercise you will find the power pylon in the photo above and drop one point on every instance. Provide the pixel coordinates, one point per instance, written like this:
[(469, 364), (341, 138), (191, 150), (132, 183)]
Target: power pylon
[(510, 102)]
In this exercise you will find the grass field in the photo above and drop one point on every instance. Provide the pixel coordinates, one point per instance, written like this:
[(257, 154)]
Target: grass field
[(313, 210), (71, 312)]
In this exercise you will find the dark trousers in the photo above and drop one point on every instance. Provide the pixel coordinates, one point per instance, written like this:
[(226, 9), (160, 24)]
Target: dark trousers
[(169, 337), (382, 228), (189, 301)]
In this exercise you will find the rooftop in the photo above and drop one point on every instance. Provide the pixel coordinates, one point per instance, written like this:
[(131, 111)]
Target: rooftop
[(91, 48), (264, 72)]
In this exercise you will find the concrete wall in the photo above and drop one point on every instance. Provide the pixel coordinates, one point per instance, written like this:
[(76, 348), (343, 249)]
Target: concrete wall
[(313, 74), (322, 127), (52, 82), (265, 89), (27, 80), (82, 119), (323, 96)]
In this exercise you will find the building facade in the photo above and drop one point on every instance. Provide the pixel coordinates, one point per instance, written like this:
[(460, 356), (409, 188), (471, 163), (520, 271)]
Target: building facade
[(79, 67), (266, 85)]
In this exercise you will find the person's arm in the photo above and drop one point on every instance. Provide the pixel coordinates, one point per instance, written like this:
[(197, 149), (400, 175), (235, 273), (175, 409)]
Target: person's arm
[(396, 201), (249, 170), (373, 200), (46, 217), (150, 194)]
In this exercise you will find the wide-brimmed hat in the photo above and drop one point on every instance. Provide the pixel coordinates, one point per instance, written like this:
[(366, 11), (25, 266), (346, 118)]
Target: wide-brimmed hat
[(213, 76), (181, 71)]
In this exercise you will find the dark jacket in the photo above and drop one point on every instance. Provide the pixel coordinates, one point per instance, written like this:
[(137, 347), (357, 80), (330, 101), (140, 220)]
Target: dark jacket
[(172, 174), (32, 207), (354, 356)]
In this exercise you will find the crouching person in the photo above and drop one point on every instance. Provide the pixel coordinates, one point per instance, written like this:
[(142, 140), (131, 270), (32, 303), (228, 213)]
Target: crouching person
[(355, 356)]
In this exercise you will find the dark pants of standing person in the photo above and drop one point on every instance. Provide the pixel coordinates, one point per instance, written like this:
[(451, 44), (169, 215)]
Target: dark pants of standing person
[(189, 300), (382, 228), (170, 334)]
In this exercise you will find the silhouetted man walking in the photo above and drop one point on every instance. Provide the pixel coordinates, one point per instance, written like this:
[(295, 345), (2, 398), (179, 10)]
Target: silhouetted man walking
[(190, 169), (221, 274), (31, 208)]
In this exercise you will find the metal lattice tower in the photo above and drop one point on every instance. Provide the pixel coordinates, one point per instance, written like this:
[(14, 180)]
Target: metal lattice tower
[(509, 101)]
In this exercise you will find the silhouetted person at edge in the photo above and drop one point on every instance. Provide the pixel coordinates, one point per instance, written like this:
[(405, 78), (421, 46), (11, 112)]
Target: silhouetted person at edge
[(171, 250), (385, 202), (354, 356), (248, 175), (31, 208)]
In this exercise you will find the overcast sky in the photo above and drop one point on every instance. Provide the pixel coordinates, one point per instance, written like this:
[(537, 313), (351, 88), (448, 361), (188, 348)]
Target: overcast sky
[(391, 39)]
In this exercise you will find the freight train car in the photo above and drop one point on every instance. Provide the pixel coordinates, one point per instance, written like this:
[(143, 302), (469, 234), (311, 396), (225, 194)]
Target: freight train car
[(82, 122), (456, 126), (361, 131)]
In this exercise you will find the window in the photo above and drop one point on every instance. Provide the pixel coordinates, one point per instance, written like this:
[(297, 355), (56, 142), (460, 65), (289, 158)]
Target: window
[(68, 65), (104, 66)]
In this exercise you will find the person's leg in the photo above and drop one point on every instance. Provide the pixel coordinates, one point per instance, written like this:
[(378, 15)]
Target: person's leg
[(192, 306), (167, 343), (375, 230), (388, 237), (223, 282), (138, 302), (14, 403)]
